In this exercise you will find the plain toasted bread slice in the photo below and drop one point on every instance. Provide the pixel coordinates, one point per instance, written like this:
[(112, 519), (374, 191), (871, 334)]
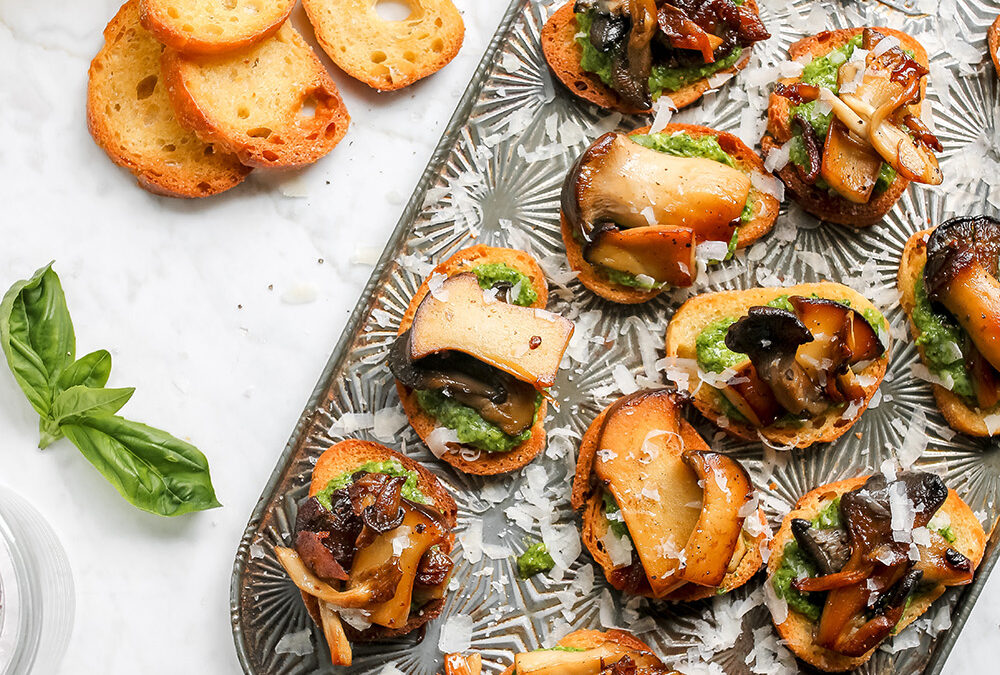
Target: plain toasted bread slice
[(595, 526), (129, 116), (956, 411), (563, 56), (592, 639), (993, 40), (213, 26), (821, 203), (274, 104), (701, 310), (347, 456), (765, 213), (797, 630), (488, 463), (387, 55)]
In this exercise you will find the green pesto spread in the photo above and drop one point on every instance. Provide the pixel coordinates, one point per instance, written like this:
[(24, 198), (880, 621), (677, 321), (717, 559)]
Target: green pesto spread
[(822, 72), (471, 428), (712, 353), (661, 79), (492, 273), (627, 279), (534, 560), (612, 514), (410, 491), (939, 337)]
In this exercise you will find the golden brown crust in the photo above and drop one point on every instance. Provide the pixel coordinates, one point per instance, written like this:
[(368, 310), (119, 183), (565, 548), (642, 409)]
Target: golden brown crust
[(765, 213), (140, 132), (993, 39), (699, 311), (797, 630), (350, 454), (488, 463), (592, 639), (268, 129), (821, 203), (245, 30), (594, 525), (387, 55), (956, 411), (563, 56)]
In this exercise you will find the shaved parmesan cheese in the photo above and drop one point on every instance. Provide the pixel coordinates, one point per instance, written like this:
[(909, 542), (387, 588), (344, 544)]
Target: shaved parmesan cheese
[(624, 379), (664, 108), (884, 45), (434, 284), (298, 643), (769, 185), (777, 157), (350, 423), (992, 423), (619, 548), (440, 439), (472, 541), (387, 423), (456, 634), (921, 371)]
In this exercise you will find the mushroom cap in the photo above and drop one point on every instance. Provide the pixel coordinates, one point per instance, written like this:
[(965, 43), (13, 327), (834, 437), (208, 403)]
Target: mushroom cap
[(958, 245), (766, 331)]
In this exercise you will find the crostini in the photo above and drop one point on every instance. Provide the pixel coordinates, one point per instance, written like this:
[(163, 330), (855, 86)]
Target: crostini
[(949, 288), (993, 41), (614, 652), (791, 366), (476, 353), (635, 207), (859, 560), (371, 545), (663, 515), (624, 54), (846, 137)]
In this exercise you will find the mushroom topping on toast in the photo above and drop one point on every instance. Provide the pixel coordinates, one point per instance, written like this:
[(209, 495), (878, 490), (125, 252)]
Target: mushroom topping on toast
[(476, 354), (851, 125), (637, 50), (664, 515), (636, 207), (590, 652), (795, 357), (948, 282), (858, 560), (371, 545)]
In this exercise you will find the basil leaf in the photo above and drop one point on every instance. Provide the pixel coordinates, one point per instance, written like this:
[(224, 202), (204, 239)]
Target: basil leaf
[(80, 400), (92, 370), (150, 468), (36, 336)]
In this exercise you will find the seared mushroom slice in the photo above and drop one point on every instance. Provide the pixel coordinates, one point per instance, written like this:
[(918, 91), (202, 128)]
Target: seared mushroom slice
[(498, 397), (619, 181), (875, 109), (961, 274), (683, 33), (457, 664), (770, 337), (586, 662), (752, 396), (609, 25), (664, 254), (829, 548), (850, 165)]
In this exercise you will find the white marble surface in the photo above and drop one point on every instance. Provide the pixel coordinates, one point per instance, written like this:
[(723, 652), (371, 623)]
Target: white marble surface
[(220, 312)]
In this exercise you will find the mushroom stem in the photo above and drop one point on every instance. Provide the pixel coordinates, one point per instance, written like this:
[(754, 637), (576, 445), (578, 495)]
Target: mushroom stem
[(357, 597), (336, 639)]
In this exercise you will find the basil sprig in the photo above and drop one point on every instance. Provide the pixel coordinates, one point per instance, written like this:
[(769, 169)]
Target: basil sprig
[(150, 468)]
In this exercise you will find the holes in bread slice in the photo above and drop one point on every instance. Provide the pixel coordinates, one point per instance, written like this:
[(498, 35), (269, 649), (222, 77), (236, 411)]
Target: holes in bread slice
[(393, 10), (259, 132), (144, 89), (378, 56), (437, 44)]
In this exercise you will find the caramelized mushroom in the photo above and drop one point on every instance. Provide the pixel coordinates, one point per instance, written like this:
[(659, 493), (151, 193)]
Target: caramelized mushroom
[(961, 274), (829, 548), (850, 166), (770, 337), (664, 254), (752, 396), (498, 397), (618, 181)]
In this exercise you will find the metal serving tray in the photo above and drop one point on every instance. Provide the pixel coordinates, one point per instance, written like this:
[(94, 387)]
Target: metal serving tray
[(495, 178)]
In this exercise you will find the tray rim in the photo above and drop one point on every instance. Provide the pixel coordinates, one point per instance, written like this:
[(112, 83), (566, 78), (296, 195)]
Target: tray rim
[(969, 595)]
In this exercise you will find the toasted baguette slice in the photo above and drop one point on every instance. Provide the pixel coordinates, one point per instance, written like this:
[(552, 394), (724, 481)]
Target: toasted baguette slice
[(993, 40), (213, 26), (701, 310), (765, 213), (563, 56), (349, 455), (821, 203), (592, 639), (588, 497), (956, 411), (129, 116), (274, 104), (488, 463), (387, 55), (797, 630)]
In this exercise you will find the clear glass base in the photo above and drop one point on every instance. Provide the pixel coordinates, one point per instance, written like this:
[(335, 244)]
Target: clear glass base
[(37, 598)]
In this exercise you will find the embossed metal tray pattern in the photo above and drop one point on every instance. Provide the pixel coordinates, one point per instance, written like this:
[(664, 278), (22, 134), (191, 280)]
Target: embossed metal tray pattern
[(495, 179)]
